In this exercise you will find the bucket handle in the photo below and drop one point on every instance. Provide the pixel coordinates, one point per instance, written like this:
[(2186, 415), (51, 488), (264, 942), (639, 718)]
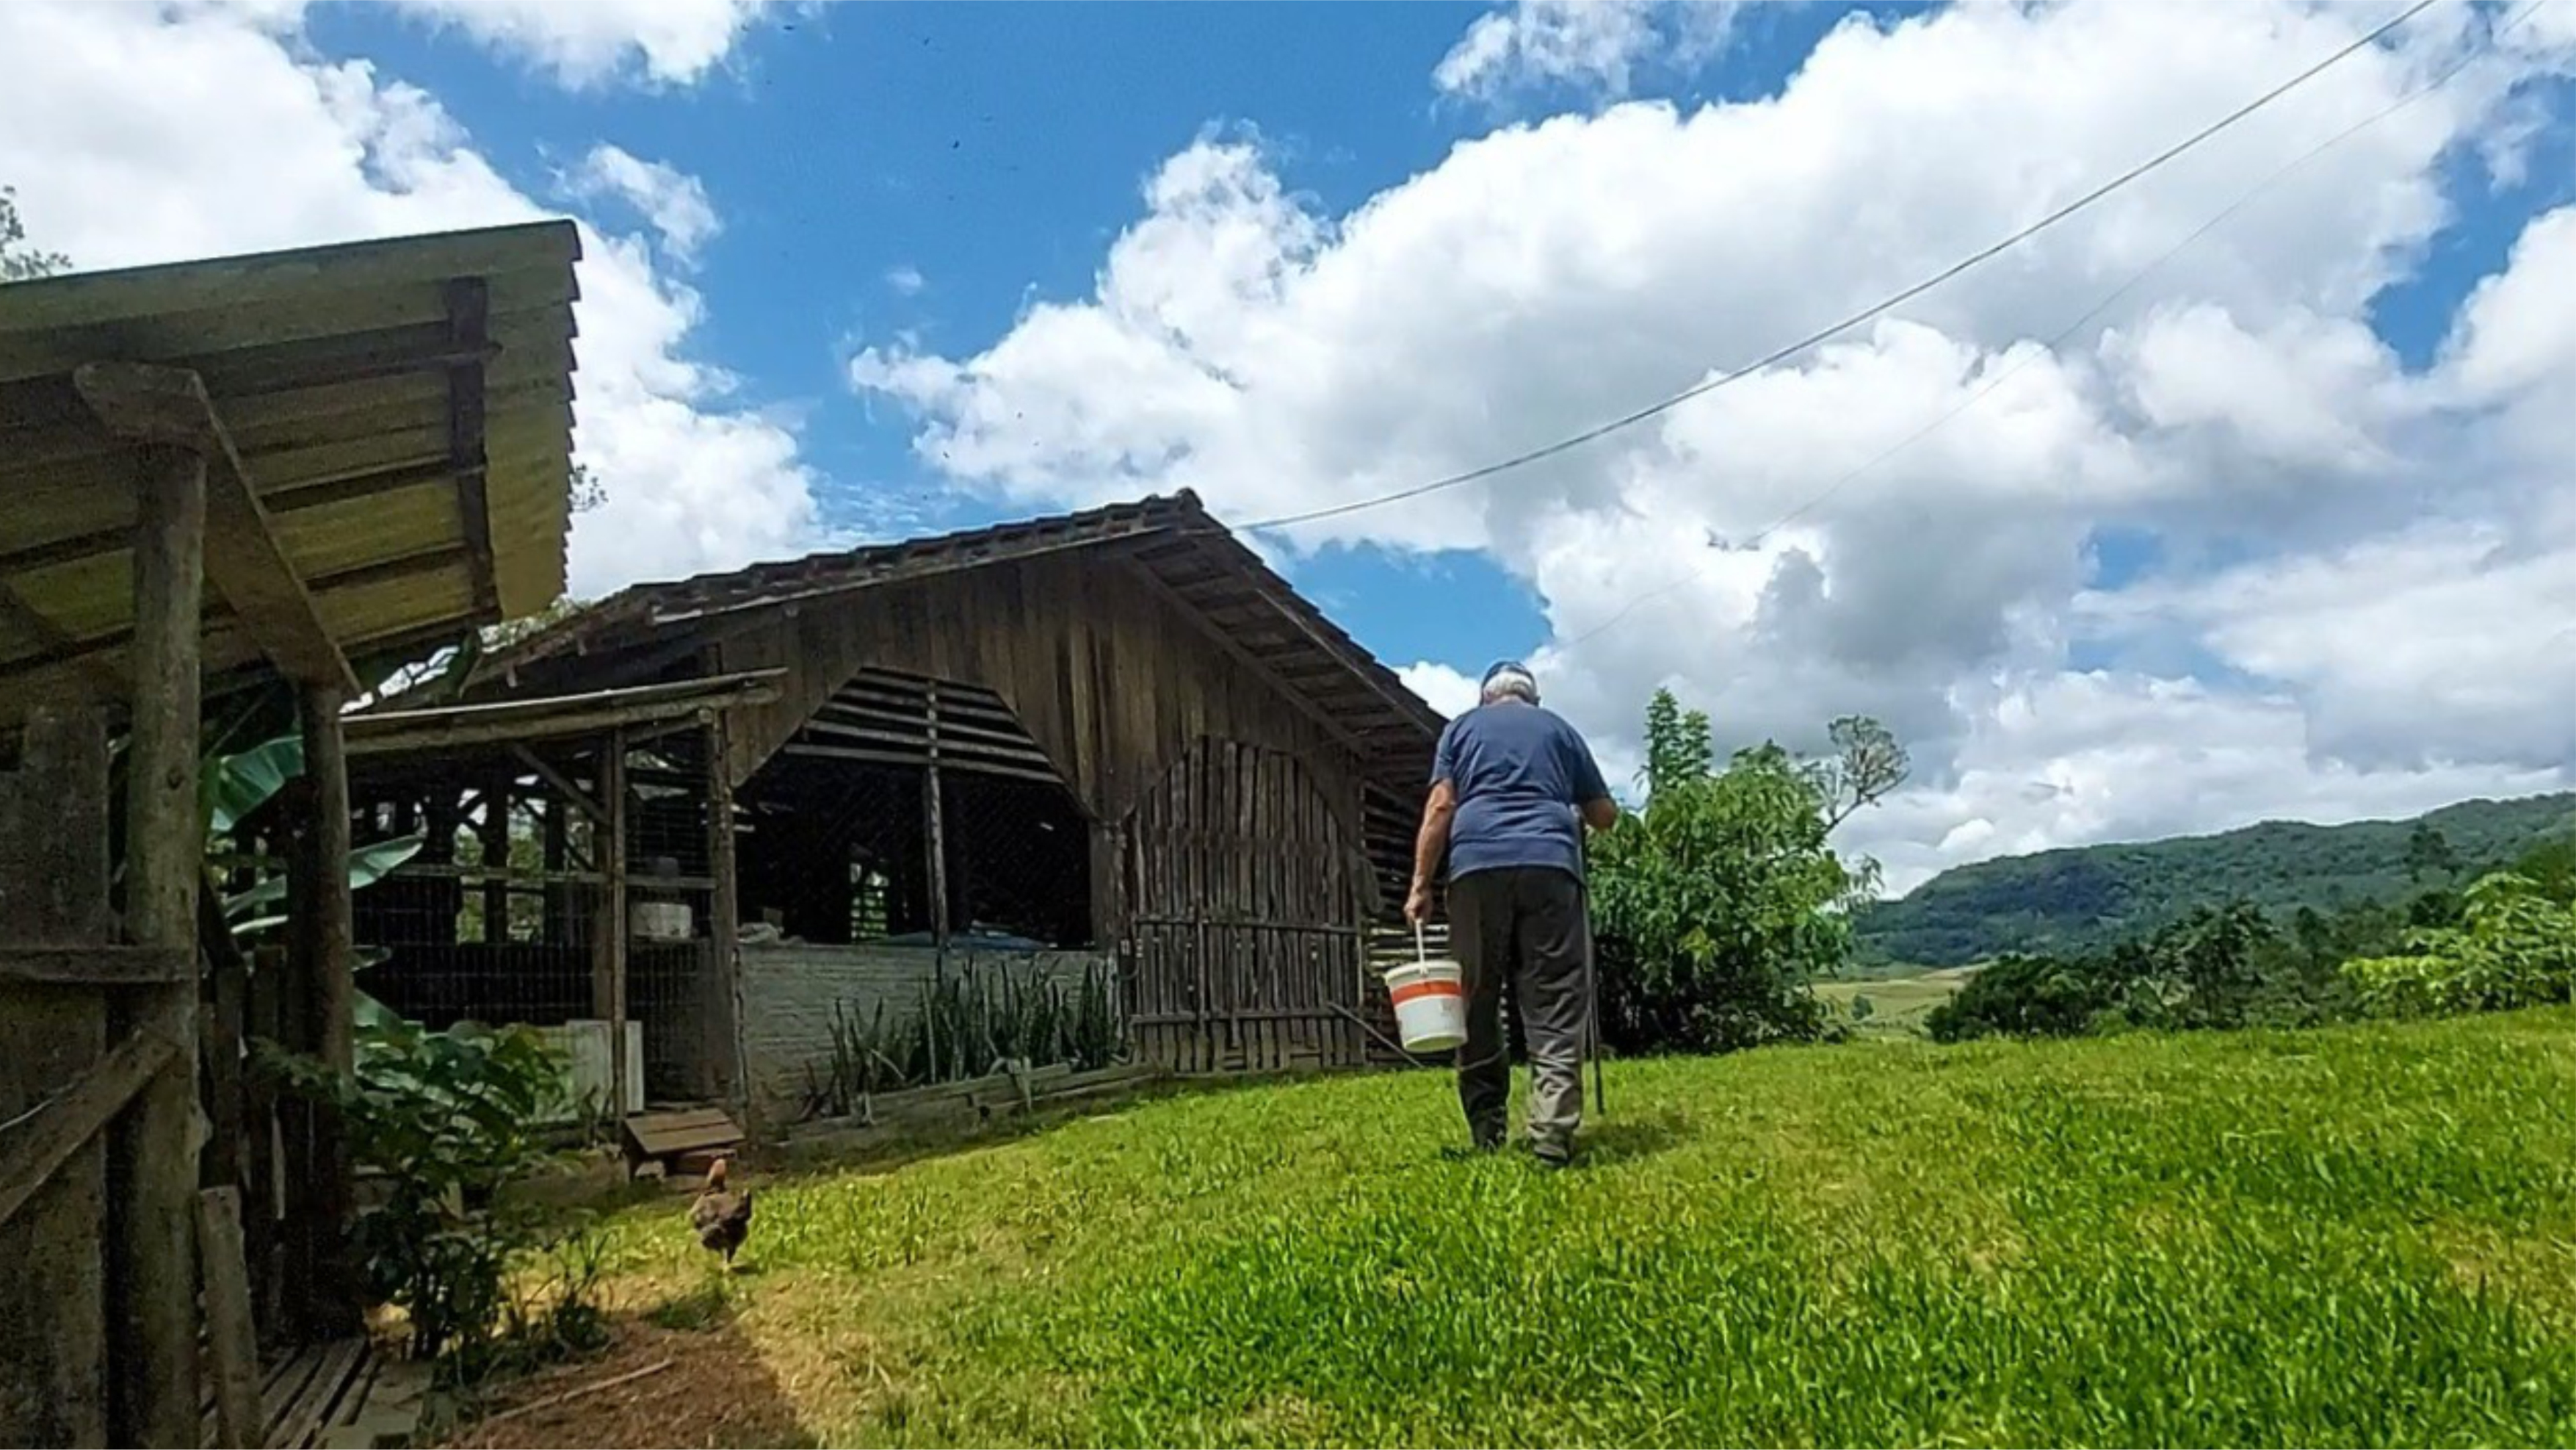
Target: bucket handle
[(1419, 955)]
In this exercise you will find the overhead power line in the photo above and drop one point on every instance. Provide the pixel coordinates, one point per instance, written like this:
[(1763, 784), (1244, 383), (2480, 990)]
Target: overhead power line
[(1564, 445), (2049, 347)]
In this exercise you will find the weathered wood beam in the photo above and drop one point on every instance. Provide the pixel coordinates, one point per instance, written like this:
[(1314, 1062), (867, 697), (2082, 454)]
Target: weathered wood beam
[(469, 306), (92, 966), (321, 493), (51, 636), (322, 924), (563, 784), (53, 888), (1299, 699), (928, 564), (608, 986), (232, 1340), (155, 1302), (146, 404), (503, 722), (68, 1122), (730, 1081), (430, 561)]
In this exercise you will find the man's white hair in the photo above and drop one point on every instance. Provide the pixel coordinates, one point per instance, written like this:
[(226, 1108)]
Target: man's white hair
[(1510, 684)]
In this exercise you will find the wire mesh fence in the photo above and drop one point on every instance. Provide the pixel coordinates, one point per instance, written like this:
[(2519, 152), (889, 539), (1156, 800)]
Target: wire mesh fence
[(1018, 854)]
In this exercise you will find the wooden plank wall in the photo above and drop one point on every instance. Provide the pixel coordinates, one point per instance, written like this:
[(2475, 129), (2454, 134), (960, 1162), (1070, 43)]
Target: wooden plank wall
[(1104, 674), (1243, 885), (53, 891)]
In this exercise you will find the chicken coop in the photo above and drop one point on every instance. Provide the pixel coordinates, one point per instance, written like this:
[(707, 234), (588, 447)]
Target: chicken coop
[(1108, 761), (569, 851), (235, 489)]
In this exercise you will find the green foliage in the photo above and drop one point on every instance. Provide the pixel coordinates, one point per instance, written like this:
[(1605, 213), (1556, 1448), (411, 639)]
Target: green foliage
[(19, 262), (1720, 902), (2073, 902), (2429, 853), (2357, 1236), (969, 1024), (448, 1122), (2516, 947), (232, 787), (2220, 967), (2508, 941)]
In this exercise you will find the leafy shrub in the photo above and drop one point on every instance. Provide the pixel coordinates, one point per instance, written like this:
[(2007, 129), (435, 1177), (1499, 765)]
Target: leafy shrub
[(1719, 903), (447, 1119), (2215, 968), (2515, 947)]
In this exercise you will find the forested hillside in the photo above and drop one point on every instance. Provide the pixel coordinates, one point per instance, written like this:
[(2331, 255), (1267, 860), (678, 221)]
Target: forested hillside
[(2087, 898)]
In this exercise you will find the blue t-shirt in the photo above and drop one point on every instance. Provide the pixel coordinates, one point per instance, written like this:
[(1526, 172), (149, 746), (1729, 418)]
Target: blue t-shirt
[(1520, 773)]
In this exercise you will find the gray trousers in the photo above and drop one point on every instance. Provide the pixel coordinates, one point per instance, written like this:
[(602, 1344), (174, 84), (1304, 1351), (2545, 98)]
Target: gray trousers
[(1523, 926)]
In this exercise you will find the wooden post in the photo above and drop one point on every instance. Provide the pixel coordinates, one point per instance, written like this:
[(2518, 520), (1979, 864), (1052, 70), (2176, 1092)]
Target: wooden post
[(156, 1299), (609, 990), (936, 824), (724, 907), (325, 929), (54, 1361), (232, 1345)]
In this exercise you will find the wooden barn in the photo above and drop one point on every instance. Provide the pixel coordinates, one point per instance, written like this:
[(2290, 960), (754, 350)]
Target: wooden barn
[(230, 491), (1110, 747)]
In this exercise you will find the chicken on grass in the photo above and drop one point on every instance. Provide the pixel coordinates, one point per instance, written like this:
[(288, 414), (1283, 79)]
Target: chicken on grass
[(721, 1216)]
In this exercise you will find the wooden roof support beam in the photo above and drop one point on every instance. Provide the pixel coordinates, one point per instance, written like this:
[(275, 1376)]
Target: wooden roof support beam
[(469, 312), (1304, 702), (323, 493), (143, 403), (51, 636)]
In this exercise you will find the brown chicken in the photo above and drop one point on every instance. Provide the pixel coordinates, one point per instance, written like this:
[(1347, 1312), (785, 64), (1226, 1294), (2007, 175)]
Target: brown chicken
[(721, 1216)]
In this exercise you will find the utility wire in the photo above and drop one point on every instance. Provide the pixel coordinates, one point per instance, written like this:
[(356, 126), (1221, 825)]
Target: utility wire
[(1564, 445), (2049, 347)]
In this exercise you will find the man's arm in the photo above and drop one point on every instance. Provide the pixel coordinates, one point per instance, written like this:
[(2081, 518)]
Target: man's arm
[(1431, 841), (1591, 792)]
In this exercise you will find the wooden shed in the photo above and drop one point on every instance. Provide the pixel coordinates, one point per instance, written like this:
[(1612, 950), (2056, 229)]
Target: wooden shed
[(252, 474), (1112, 740)]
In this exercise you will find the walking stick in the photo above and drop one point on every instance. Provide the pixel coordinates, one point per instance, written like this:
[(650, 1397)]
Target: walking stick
[(1591, 978)]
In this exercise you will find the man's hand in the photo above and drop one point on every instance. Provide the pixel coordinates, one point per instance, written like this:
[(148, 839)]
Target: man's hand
[(1417, 903)]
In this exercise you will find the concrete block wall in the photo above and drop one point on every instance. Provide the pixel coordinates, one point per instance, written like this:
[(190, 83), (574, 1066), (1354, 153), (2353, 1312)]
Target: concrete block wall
[(789, 992)]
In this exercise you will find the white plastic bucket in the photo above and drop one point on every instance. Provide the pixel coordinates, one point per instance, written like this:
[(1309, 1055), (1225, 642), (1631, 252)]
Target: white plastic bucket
[(1430, 1002)]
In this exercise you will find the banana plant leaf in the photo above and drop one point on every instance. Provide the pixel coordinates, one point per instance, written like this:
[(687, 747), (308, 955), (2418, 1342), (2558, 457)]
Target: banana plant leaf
[(367, 866), (230, 787)]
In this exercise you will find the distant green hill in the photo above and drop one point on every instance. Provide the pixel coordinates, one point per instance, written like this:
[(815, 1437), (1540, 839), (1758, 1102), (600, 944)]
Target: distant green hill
[(2091, 896)]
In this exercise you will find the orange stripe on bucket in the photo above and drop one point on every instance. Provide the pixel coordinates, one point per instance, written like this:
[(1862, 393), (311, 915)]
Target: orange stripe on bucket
[(1414, 990)]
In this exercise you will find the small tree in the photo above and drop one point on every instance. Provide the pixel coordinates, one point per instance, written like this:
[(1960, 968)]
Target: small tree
[(1720, 902), (1867, 765), (18, 262)]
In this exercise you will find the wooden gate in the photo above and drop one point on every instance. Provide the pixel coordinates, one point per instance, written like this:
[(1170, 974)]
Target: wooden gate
[(92, 1035), (1244, 916)]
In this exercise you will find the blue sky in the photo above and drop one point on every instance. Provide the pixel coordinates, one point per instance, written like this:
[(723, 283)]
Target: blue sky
[(2288, 531), (995, 150)]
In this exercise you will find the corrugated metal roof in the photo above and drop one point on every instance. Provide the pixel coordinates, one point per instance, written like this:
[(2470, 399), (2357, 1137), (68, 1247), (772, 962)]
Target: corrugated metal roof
[(1197, 560), (402, 410)]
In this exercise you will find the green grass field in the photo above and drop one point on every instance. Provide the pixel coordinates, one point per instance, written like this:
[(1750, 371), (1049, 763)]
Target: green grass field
[(1898, 1005), (2359, 1236)]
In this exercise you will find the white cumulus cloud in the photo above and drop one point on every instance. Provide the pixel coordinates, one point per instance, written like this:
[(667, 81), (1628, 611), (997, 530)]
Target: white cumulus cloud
[(158, 133), (1796, 544)]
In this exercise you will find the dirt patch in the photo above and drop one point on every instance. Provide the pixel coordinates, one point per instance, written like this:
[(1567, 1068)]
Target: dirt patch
[(718, 1390)]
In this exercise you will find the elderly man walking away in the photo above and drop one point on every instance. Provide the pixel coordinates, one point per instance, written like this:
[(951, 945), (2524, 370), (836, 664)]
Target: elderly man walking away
[(1507, 787)]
